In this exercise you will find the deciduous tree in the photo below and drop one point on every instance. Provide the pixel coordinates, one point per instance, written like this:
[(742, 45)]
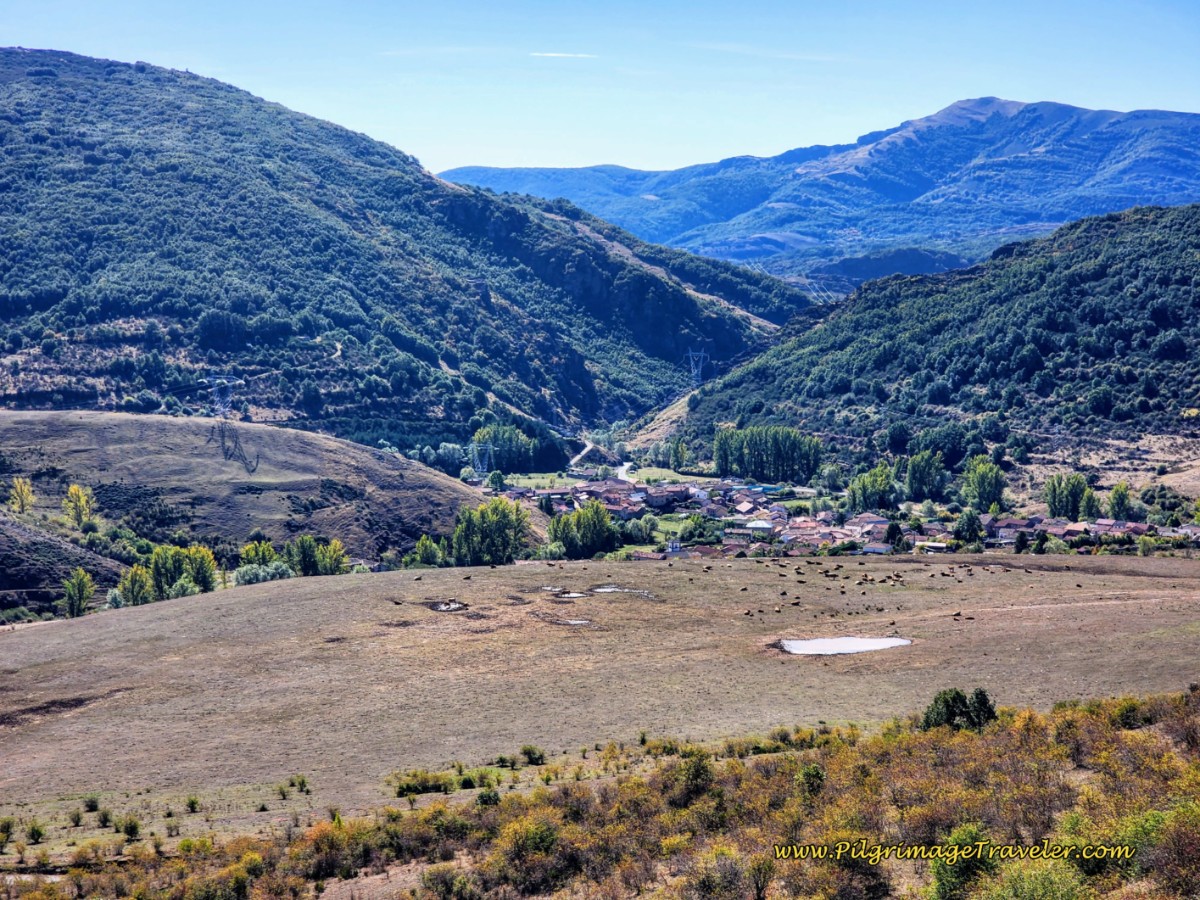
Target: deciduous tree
[(167, 566), (136, 587), (1119, 501), (78, 589), (491, 534), (925, 477), (332, 558), (20, 496), (79, 504), (201, 567), (983, 483), (258, 553)]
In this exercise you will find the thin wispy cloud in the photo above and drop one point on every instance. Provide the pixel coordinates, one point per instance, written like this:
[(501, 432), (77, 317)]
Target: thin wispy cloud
[(566, 55)]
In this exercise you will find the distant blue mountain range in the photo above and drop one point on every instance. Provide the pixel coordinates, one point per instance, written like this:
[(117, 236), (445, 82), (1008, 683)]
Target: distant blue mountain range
[(956, 184)]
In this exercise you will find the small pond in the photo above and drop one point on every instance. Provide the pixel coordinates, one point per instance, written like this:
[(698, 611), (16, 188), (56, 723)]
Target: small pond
[(839, 645)]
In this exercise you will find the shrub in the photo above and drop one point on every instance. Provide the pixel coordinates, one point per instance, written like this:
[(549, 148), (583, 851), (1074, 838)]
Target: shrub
[(810, 780), (523, 853), (422, 781), (1127, 714), (488, 797), (952, 708), (91, 804), (445, 881), (718, 874), (103, 818), (184, 587), (1176, 858), (253, 864), (1043, 880), (76, 817), (478, 778), (534, 756), (193, 803), (952, 882), (131, 828), (35, 831), (255, 574)]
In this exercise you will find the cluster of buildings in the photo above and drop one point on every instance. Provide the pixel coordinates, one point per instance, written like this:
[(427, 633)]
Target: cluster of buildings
[(756, 523), (627, 500), (1003, 531)]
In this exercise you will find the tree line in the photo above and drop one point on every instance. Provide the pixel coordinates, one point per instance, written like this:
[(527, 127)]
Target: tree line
[(767, 453)]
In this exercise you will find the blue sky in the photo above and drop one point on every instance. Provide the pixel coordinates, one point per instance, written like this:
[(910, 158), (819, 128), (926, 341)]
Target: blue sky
[(645, 84)]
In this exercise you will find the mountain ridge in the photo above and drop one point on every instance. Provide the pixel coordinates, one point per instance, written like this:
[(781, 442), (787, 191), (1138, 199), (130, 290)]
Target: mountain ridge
[(173, 227), (1085, 335), (966, 179)]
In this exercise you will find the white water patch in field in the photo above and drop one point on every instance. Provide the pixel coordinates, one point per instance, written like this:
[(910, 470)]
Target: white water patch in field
[(577, 621), (573, 595), (839, 645), (446, 606), (613, 589)]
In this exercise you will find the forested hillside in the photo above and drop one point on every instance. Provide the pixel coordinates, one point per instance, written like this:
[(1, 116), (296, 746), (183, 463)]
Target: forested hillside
[(1092, 331), (966, 179), (163, 227)]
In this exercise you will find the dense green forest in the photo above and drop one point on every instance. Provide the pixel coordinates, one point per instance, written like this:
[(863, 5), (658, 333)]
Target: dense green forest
[(1092, 331), (966, 179), (164, 227)]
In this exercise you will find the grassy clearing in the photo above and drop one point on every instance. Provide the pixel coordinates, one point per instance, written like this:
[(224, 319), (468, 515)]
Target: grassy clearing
[(540, 481), (655, 474)]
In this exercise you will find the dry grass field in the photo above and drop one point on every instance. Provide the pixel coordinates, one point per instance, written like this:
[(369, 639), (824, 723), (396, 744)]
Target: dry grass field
[(284, 481), (346, 679)]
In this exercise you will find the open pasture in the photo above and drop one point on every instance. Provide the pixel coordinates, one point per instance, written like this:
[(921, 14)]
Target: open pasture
[(347, 679)]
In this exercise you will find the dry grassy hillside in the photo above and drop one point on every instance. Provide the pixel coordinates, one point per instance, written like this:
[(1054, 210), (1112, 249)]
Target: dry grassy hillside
[(348, 678), (280, 480)]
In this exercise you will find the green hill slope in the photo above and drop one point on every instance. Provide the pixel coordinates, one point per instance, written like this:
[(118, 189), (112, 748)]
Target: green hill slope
[(164, 226), (1093, 331), (966, 179)]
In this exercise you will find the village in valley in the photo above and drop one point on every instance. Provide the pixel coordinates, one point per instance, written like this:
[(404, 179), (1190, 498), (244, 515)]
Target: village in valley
[(747, 519)]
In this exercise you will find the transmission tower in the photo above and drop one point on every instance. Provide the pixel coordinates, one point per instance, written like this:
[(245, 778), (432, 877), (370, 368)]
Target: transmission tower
[(481, 457), (224, 432), (697, 359), (222, 393)]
